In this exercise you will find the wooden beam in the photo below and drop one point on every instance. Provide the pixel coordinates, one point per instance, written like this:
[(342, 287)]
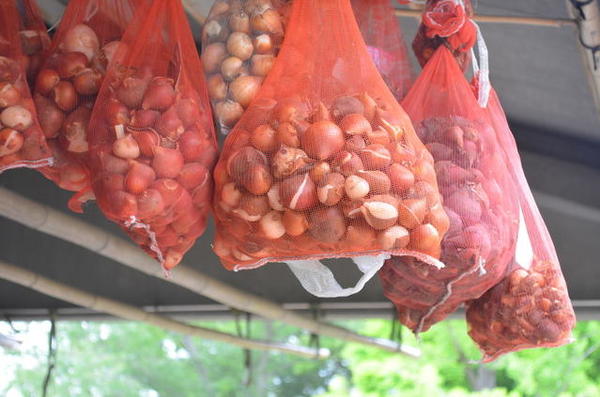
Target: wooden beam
[(588, 25), (553, 22), (68, 228), (79, 297)]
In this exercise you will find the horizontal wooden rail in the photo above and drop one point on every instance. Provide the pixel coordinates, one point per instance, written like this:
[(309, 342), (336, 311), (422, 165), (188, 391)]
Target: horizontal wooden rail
[(69, 228), (82, 298), (552, 22)]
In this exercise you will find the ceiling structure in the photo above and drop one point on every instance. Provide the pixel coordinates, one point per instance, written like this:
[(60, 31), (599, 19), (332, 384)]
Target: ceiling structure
[(541, 79)]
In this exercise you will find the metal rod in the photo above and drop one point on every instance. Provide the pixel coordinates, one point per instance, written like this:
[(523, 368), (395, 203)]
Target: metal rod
[(79, 297), (583, 309), (68, 228), (553, 22)]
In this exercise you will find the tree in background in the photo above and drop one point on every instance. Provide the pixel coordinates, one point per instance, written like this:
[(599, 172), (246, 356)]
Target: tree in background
[(449, 367), (130, 359)]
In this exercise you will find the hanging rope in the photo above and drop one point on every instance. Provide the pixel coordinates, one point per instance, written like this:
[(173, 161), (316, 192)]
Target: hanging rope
[(52, 347), (315, 340), (10, 324), (246, 334), (397, 328), (247, 352)]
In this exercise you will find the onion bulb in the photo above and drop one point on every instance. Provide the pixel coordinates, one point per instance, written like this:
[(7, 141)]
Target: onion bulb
[(81, 38), (244, 89)]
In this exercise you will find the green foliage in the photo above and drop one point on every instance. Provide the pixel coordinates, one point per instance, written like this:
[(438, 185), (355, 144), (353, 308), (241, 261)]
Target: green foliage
[(130, 359)]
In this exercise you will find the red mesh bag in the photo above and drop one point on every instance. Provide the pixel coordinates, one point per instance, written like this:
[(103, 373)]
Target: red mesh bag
[(69, 80), (385, 42), (240, 41), (478, 196), (34, 37), (152, 142), (446, 22), (531, 306), (22, 142), (325, 163)]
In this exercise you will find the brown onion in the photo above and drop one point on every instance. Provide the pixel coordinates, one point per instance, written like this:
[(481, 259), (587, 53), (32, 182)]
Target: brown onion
[(16, 117), (87, 82), (160, 94), (81, 38), (322, 140), (122, 204), (143, 118), (231, 68), (169, 189), (263, 44), (192, 145), (11, 141), (240, 22), (147, 141), (64, 96), (169, 125), (116, 113), (139, 177), (214, 31), (192, 175), (239, 44), (167, 163), (217, 88), (150, 204), (109, 51), (212, 56), (244, 89), (261, 64), (75, 128), (188, 111), (228, 112), (9, 95), (126, 147), (110, 181), (267, 22), (46, 80), (71, 63), (112, 163), (49, 115), (131, 91)]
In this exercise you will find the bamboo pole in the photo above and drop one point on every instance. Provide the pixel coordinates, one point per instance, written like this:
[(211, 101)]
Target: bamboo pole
[(588, 24), (68, 228), (79, 297), (552, 22)]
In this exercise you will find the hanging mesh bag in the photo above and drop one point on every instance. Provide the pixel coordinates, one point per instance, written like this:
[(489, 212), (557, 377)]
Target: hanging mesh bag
[(385, 42), (240, 41), (152, 140), (68, 83), (22, 142), (531, 306), (325, 163)]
